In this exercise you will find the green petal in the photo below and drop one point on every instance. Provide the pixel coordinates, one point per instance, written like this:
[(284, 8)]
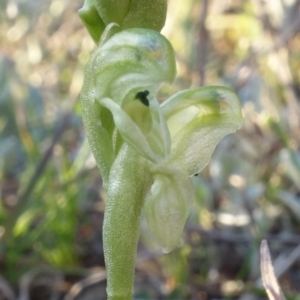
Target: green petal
[(131, 61), (129, 131), (91, 20), (148, 134), (150, 14), (159, 136), (167, 207), (198, 119), (97, 134)]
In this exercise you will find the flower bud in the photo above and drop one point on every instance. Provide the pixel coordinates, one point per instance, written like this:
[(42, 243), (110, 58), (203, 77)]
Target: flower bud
[(149, 14), (113, 11), (91, 20)]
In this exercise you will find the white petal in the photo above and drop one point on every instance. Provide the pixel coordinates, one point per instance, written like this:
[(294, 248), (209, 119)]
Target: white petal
[(167, 207), (129, 131), (198, 119)]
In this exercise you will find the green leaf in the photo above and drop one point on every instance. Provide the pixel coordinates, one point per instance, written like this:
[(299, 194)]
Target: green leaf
[(150, 14), (198, 119), (91, 20), (167, 206)]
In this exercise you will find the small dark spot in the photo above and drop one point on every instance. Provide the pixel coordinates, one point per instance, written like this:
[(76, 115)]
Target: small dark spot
[(142, 96), (196, 174), (138, 56)]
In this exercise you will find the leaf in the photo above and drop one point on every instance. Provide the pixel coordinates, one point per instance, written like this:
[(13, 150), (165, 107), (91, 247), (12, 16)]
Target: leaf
[(268, 275), (198, 119), (91, 20)]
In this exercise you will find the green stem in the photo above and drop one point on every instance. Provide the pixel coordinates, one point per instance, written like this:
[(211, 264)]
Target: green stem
[(98, 137), (128, 183)]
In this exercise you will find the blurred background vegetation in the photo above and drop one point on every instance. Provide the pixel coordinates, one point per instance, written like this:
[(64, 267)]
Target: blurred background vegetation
[(51, 196)]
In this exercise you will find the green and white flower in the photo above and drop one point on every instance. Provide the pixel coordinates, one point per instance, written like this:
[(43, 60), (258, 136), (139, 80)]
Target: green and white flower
[(146, 152)]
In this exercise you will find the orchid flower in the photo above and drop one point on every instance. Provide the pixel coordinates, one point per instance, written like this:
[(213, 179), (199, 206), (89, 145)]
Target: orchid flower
[(146, 152)]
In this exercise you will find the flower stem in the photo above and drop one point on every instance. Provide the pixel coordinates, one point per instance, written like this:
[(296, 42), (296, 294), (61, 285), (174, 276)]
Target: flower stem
[(128, 183)]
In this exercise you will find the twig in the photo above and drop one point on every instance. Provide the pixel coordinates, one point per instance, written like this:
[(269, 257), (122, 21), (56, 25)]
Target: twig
[(27, 279), (284, 37), (290, 31), (78, 287), (203, 42), (270, 273), (6, 289), (99, 277), (268, 277), (219, 236), (283, 263)]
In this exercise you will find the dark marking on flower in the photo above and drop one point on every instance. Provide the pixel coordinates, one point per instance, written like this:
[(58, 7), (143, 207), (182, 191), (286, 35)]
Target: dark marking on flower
[(196, 174), (142, 96), (138, 56)]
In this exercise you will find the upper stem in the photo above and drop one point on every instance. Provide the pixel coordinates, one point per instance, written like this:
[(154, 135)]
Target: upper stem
[(129, 181)]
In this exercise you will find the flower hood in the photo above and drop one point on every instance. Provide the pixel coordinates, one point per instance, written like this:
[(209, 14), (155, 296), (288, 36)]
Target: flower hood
[(177, 138)]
